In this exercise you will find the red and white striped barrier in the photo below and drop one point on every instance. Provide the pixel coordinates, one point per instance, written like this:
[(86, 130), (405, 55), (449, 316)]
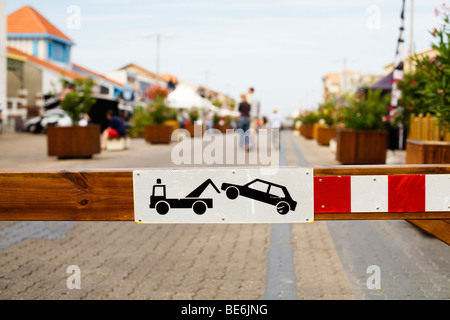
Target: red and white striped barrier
[(382, 193)]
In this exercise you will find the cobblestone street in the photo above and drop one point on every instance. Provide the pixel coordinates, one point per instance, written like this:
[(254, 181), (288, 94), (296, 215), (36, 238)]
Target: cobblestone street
[(124, 260)]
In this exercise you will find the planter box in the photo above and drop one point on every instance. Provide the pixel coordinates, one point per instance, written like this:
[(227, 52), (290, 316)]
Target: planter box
[(158, 133), (73, 142), (325, 134), (427, 152), (223, 128), (195, 130), (307, 131), (361, 146)]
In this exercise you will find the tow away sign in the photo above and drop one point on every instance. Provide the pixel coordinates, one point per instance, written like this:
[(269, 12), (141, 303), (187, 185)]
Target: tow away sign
[(224, 195)]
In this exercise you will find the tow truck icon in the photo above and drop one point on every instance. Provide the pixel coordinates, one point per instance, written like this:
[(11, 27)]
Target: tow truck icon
[(259, 190), (162, 204)]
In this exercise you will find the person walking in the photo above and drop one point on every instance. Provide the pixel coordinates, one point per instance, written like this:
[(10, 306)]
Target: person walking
[(244, 122), (255, 114), (275, 124)]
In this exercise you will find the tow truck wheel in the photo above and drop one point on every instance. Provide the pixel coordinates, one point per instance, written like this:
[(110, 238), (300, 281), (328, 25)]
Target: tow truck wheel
[(232, 193), (199, 207), (162, 207), (283, 207)]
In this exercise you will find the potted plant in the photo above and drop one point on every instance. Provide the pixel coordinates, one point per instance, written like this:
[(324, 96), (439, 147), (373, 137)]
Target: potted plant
[(308, 119), (75, 141), (425, 91), (156, 131), (222, 123), (362, 137), (326, 129), (194, 128)]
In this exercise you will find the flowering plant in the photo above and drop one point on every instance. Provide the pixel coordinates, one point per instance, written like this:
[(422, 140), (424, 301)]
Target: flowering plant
[(309, 117), (427, 88), (75, 98), (157, 92), (366, 110), (328, 113)]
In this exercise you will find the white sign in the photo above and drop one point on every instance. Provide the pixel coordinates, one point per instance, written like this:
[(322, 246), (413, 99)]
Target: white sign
[(223, 195)]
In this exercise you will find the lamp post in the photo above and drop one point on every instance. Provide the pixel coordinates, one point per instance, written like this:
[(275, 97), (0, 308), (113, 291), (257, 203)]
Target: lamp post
[(158, 46), (3, 62)]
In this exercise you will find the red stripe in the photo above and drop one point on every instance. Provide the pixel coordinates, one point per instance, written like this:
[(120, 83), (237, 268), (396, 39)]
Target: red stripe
[(406, 193), (332, 194)]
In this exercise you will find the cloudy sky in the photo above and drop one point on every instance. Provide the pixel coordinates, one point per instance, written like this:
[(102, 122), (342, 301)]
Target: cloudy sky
[(281, 48)]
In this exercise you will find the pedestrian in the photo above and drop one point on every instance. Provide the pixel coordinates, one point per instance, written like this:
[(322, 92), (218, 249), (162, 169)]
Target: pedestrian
[(255, 114), (275, 124), (244, 122), (209, 119), (115, 130), (182, 118), (255, 109)]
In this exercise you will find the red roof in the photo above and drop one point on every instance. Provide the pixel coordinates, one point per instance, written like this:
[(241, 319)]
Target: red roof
[(69, 73), (97, 74), (28, 20)]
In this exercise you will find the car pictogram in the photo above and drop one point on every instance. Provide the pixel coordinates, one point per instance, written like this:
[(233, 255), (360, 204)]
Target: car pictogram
[(263, 191)]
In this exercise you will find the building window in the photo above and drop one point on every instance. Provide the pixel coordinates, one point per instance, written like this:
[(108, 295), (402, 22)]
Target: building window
[(58, 51), (36, 48)]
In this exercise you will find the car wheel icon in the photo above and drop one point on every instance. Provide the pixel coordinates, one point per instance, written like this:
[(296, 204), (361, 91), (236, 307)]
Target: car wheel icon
[(283, 207), (232, 193)]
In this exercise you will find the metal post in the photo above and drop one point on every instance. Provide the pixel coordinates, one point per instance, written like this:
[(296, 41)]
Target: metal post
[(3, 63)]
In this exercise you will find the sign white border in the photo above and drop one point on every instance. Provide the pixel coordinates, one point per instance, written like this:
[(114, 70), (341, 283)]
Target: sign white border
[(245, 208)]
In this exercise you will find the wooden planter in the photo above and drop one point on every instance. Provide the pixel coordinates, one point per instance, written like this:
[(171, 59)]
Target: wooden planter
[(325, 134), (427, 152), (158, 133), (361, 146), (74, 141), (307, 131), (195, 130), (223, 128)]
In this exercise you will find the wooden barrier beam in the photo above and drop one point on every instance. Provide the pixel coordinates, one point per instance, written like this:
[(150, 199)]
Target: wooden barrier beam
[(107, 195), (67, 195)]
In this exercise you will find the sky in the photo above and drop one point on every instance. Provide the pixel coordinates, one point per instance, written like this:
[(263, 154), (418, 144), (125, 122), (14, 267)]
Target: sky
[(280, 48)]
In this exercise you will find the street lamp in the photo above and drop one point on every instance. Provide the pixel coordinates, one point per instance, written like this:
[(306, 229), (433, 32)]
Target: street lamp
[(158, 44)]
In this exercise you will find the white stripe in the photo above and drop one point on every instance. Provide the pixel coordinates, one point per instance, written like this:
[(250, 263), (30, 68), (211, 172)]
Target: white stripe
[(437, 192), (369, 193)]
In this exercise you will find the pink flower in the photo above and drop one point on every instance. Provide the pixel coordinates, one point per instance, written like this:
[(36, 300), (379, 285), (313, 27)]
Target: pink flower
[(433, 31), (432, 59), (440, 91), (436, 12), (63, 94)]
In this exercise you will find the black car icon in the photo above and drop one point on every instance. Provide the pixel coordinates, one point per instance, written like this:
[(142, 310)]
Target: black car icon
[(263, 191)]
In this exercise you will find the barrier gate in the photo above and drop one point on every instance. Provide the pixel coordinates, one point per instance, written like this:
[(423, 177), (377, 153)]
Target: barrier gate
[(419, 194)]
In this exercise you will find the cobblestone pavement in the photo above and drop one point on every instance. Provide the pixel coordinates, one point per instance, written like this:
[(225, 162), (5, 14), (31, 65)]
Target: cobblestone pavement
[(123, 260), (413, 264)]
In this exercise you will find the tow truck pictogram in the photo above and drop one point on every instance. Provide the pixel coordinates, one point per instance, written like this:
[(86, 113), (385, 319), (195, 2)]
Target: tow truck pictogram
[(162, 204)]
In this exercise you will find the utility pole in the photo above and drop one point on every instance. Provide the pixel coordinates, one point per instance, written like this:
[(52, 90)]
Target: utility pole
[(158, 46), (411, 33), (3, 62)]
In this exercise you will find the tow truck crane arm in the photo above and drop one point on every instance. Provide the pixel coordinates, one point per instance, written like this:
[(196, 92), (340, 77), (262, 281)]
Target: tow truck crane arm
[(199, 190)]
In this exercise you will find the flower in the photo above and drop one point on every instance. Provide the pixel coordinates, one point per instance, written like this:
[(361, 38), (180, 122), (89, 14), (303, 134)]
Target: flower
[(154, 92)]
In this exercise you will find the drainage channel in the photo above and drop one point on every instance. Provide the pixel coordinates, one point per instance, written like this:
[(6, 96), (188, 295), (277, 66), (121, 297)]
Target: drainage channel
[(281, 282)]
